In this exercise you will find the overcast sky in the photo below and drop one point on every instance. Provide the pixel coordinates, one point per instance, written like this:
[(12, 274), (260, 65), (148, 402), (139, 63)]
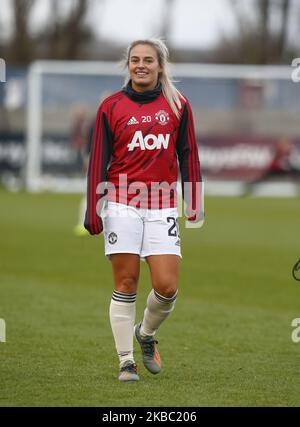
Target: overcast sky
[(197, 23), (194, 23)]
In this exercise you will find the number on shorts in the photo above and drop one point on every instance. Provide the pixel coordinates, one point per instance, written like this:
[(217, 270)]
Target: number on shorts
[(171, 231)]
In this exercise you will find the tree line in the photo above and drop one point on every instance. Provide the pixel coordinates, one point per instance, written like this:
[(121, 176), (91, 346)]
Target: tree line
[(68, 36)]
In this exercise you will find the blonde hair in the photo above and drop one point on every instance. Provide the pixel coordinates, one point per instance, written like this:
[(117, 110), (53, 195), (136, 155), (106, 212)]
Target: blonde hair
[(172, 95)]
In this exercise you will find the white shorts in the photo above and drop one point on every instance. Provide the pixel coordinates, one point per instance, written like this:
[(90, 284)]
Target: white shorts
[(140, 231)]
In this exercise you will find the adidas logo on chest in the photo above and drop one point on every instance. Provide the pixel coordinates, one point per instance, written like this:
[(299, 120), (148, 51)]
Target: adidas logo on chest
[(132, 121)]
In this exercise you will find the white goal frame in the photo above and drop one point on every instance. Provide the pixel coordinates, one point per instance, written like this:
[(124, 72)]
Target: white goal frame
[(34, 180)]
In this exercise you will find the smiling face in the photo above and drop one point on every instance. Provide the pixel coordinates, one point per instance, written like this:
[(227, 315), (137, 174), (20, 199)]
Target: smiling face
[(143, 67)]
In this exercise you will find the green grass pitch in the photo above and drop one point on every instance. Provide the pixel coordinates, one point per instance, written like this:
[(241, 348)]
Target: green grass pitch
[(228, 342)]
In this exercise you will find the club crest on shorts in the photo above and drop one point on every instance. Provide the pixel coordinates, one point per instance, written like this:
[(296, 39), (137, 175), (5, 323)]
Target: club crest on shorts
[(162, 117), (112, 238)]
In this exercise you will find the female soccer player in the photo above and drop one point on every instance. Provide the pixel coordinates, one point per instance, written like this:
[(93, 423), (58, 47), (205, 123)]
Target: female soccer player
[(141, 133)]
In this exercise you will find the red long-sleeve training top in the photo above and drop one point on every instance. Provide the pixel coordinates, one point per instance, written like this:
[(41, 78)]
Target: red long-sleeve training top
[(138, 143)]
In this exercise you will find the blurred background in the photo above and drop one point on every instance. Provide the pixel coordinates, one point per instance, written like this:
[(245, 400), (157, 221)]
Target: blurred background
[(232, 59)]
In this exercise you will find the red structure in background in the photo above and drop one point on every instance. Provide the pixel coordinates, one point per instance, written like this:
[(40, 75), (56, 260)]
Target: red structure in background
[(248, 158)]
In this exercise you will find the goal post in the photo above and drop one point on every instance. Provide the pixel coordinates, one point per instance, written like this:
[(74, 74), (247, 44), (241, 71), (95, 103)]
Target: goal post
[(55, 87), (34, 179)]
